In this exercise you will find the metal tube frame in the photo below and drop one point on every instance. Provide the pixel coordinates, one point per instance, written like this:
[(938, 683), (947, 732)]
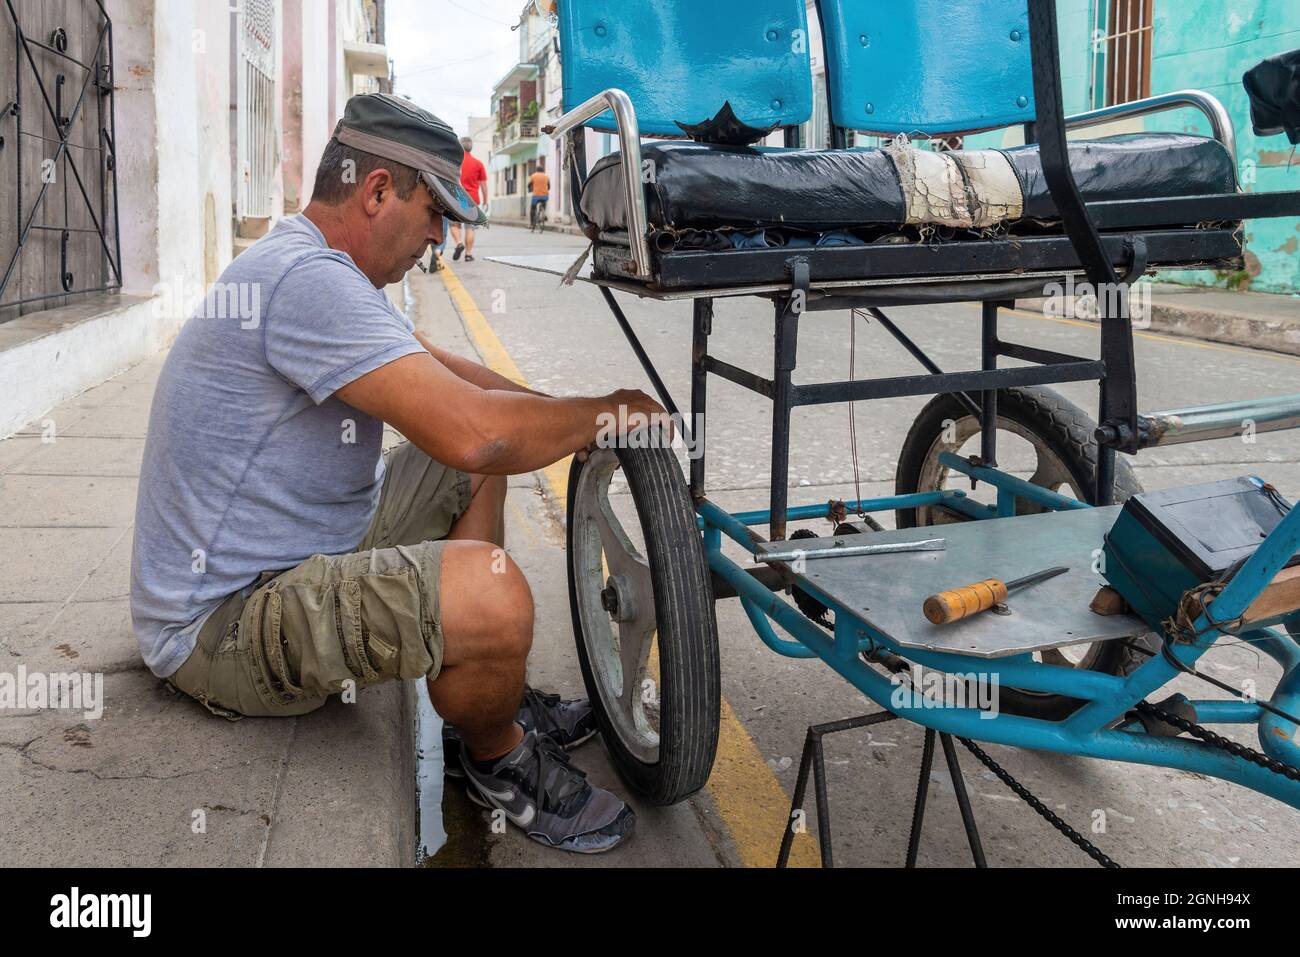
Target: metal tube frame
[(629, 142), (1206, 103)]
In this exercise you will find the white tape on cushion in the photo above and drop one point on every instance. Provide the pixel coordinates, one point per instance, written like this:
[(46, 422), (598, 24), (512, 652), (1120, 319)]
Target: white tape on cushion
[(994, 189), (932, 184), (936, 192)]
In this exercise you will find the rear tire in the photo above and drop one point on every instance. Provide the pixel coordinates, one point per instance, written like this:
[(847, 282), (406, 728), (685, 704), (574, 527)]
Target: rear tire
[(1062, 436), (667, 763)]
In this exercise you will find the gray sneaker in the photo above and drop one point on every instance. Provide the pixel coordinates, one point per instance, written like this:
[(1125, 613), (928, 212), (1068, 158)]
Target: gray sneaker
[(567, 723), (549, 799)]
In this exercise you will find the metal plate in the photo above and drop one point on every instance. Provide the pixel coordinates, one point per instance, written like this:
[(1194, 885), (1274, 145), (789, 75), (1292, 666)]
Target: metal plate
[(887, 591)]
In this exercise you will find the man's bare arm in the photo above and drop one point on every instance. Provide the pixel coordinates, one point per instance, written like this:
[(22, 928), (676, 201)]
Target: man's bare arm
[(485, 431), (474, 372)]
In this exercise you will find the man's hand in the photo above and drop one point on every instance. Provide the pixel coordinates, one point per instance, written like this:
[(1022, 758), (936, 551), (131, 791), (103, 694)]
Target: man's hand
[(632, 409)]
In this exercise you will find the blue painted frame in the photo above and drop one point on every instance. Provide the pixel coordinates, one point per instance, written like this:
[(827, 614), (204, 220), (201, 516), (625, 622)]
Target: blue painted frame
[(1086, 732)]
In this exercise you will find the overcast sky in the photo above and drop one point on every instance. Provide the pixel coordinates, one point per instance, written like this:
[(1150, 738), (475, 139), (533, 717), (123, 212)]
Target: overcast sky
[(448, 53)]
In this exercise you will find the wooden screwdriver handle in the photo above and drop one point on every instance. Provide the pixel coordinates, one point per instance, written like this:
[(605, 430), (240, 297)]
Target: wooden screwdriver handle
[(957, 603)]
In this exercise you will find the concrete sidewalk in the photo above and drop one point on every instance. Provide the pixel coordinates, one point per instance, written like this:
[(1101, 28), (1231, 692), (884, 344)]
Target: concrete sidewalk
[(1256, 320), (157, 780)]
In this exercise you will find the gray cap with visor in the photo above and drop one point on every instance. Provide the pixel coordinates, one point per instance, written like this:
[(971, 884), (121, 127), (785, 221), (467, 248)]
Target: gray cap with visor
[(398, 130)]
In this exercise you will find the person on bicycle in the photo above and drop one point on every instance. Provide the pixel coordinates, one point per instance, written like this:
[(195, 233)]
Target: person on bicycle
[(539, 185)]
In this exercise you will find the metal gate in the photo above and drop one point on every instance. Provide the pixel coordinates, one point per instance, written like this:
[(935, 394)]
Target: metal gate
[(58, 183), (256, 107)]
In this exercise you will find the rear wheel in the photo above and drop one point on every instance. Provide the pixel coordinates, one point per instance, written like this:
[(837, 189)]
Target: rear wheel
[(1047, 440), (643, 617)]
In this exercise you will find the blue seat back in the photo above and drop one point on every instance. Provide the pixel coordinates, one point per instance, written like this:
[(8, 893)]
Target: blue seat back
[(936, 66), (680, 60)]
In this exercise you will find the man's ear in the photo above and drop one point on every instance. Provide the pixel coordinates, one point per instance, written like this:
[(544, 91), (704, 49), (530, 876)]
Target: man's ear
[(375, 190)]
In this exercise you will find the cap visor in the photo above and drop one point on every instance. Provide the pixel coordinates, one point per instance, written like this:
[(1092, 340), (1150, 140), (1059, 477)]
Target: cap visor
[(455, 200)]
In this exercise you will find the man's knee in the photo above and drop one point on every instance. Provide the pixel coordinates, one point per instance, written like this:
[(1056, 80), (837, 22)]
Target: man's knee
[(486, 601)]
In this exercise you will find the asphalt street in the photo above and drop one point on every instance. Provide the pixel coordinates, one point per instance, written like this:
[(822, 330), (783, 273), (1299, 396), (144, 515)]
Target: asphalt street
[(563, 340)]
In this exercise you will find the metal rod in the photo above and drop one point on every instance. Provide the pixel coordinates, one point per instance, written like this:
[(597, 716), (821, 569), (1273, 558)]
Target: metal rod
[(702, 327), (823, 802), (963, 800), (782, 402), (59, 295), (741, 377), (812, 749), (644, 359), (1220, 121), (882, 548), (629, 140), (112, 133), (1224, 420), (989, 397), (889, 388), (916, 352), (922, 793), (1118, 394), (796, 802), (66, 229)]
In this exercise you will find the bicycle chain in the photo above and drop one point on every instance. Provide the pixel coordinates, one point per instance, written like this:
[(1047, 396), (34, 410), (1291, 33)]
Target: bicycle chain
[(1039, 807), (1218, 741)]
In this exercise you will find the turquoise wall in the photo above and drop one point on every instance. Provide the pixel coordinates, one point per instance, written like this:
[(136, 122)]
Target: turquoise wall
[(1207, 45)]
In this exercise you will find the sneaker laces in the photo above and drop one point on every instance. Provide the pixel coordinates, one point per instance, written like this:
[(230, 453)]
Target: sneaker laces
[(539, 705), (562, 793)]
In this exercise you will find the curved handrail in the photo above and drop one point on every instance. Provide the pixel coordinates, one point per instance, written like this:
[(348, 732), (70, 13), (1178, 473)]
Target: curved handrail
[(629, 141), (1208, 104)]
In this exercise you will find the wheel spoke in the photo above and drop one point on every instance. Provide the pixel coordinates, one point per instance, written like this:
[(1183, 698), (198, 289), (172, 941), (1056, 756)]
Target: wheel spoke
[(621, 556), (629, 575), (634, 641)]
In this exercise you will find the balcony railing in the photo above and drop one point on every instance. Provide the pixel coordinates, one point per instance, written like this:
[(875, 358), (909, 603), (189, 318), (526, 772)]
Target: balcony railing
[(514, 133)]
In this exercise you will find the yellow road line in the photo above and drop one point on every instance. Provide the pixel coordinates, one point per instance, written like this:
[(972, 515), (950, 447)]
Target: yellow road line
[(749, 798)]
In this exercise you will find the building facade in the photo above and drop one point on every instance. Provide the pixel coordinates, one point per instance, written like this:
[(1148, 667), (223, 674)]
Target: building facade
[(201, 124)]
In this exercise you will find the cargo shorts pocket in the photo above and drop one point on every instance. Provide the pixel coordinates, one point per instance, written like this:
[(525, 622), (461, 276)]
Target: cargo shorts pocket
[(396, 631), (269, 653), (352, 632)]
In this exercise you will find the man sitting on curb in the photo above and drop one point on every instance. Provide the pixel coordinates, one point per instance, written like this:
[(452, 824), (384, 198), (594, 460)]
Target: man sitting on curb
[(279, 559)]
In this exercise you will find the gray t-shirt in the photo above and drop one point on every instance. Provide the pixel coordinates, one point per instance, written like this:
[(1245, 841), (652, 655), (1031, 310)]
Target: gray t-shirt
[(251, 465)]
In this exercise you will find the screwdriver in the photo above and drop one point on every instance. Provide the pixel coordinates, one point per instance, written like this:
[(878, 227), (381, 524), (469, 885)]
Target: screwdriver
[(958, 603)]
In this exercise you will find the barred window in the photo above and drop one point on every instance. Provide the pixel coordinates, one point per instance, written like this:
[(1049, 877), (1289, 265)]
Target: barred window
[(58, 179), (1121, 51)]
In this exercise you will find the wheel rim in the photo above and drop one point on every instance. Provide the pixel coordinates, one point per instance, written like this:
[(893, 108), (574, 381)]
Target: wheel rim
[(1046, 469), (616, 611)]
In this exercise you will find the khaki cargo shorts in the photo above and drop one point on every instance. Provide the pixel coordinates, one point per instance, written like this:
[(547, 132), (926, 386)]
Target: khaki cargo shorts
[(337, 622)]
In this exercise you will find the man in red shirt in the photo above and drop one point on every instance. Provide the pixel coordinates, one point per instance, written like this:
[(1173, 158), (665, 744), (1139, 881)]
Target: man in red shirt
[(472, 177)]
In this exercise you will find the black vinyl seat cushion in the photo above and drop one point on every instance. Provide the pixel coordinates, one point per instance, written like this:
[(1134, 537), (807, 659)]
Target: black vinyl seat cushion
[(699, 186)]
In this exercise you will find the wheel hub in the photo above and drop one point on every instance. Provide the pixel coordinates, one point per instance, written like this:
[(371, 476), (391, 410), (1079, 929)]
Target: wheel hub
[(617, 598)]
